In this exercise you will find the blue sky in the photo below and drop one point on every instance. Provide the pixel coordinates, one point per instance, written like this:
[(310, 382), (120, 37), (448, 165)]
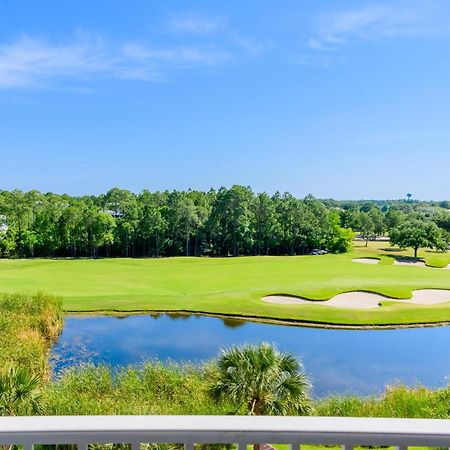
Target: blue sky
[(343, 99)]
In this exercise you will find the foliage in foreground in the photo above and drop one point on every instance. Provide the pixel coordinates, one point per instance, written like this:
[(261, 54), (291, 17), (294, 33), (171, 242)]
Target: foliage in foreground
[(20, 392), (29, 324), (397, 401), (261, 381), (152, 388), (176, 389)]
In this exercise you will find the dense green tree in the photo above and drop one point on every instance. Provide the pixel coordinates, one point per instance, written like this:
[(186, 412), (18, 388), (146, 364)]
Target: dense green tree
[(152, 223), (367, 227), (231, 221), (186, 218), (341, 239), (377, 220), (416, 233), (393, 218), (266, 224), (124, 208)]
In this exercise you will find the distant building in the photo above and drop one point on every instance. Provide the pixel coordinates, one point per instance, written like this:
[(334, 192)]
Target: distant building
[(115, 214)]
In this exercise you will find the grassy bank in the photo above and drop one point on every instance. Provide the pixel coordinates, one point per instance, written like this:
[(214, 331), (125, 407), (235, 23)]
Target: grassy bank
[(158, 389), (28, 326), (232, 286)]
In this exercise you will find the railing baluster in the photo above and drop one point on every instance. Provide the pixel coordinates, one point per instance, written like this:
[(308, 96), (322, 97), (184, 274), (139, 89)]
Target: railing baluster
[(188, 446), (81, 445), (135, 446), (242, 445)]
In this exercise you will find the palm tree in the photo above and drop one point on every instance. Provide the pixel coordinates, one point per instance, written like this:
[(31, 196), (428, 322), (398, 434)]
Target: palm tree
[(262, 380), (20, 392)]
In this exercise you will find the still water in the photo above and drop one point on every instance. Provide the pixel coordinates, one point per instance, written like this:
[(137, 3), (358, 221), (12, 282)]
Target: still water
[(337, 361)]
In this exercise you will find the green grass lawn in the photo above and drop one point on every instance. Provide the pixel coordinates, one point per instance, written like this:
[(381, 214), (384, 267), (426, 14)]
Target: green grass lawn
[(232, 285)]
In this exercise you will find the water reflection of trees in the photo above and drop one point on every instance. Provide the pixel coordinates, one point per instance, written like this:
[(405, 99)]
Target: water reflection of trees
[(233, 323), (177, 316)]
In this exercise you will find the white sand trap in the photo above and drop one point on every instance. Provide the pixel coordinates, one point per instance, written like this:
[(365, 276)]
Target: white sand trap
[(364, 300), (286, 300), (429, 296), (366, 260), (409, 262), (356, 300), (353, 300)]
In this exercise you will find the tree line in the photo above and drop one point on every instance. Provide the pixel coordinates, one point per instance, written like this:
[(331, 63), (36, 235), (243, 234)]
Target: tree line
[(221, 222), (407, 225)]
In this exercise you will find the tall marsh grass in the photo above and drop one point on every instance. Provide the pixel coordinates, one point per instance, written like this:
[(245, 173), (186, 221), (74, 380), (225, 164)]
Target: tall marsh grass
[(155, 388), (29, 324), (396, 401)]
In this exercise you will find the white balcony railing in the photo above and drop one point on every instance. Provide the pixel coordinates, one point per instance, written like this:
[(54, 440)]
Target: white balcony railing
[(240, 430)]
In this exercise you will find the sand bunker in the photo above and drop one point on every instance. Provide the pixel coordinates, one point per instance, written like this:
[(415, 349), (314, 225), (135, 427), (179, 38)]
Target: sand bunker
[(429, 297), (409, 262), (364, 300), (366, 260), (397, 262)]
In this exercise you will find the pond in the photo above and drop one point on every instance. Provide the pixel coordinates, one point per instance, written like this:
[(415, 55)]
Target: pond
[(337, 361)]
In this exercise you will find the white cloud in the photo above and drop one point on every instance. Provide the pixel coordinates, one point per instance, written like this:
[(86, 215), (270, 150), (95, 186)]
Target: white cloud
[(32, 62), (195, 24), (375, 21), (218, 26), (180, 57)]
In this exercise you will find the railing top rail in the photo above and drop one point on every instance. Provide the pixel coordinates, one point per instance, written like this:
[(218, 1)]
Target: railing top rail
[(223, 424)]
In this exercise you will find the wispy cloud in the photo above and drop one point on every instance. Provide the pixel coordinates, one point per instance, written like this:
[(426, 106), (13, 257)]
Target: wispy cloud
[(193, 23), (36, 63), (29, 61), (219, 26), (181, 57), (377, 21)]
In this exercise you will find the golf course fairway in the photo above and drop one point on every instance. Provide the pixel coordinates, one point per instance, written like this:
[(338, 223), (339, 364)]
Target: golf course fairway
[(234, 287)]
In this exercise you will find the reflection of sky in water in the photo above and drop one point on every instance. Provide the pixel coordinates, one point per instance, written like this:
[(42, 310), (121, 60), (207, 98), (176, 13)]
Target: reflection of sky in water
[(340, 361)]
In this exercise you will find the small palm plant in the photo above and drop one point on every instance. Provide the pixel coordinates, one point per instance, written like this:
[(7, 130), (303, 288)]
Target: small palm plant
[(20, 392), (262, 381)]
